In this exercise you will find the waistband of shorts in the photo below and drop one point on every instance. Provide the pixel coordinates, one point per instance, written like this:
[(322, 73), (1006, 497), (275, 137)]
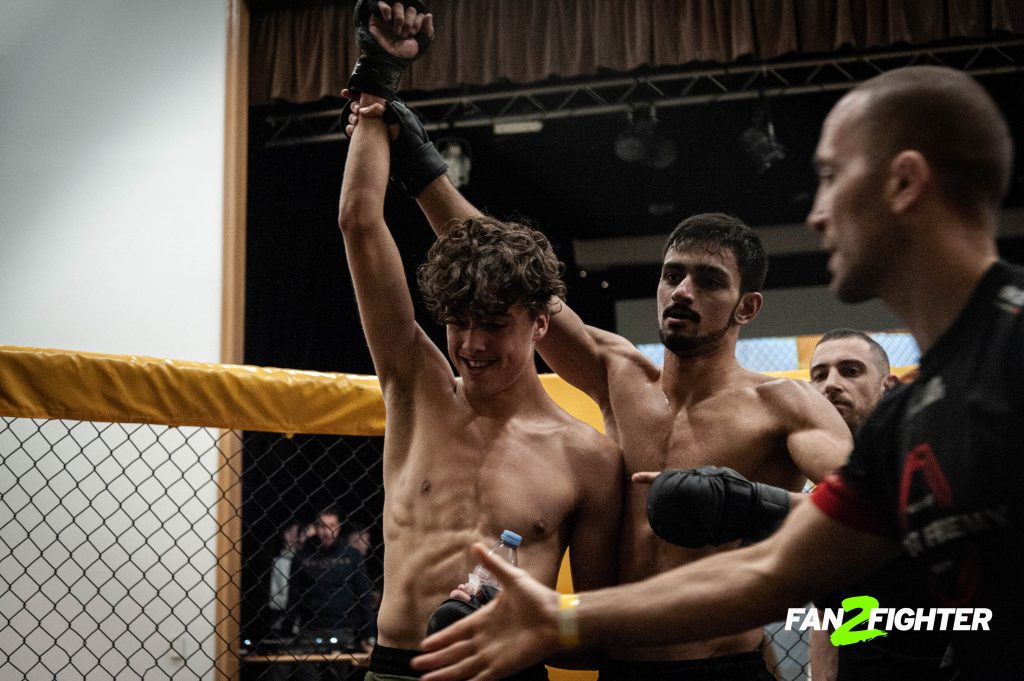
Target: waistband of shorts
[(709, 666), (394, 661)]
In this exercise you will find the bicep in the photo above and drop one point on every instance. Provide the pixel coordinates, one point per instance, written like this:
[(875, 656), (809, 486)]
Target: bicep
[(395, 341), (583, 355), (816, 452), (594, 542), (820, 442)]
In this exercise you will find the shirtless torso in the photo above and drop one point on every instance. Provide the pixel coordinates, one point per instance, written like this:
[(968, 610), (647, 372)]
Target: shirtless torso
[(695, 411), (745, 422), (454, 476)]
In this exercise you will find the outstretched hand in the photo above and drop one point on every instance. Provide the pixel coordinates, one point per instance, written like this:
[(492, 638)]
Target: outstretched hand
[(517, 629), (396, 28)]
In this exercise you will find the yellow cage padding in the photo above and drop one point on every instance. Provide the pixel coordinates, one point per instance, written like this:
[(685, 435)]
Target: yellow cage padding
[(90, 386)]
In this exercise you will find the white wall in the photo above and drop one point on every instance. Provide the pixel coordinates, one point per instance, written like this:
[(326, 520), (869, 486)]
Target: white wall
[(111, 194), (111, 166)]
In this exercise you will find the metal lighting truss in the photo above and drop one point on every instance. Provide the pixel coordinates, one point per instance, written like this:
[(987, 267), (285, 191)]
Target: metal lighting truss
[(523, 108)]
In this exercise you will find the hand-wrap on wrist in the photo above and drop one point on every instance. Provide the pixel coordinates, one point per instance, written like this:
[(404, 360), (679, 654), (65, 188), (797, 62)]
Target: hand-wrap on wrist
[(415, 161), (377, 71)]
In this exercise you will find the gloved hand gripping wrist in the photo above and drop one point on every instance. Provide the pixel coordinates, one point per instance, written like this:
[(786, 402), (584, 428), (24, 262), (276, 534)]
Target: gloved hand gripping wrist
[(713, 505), (415, 161)]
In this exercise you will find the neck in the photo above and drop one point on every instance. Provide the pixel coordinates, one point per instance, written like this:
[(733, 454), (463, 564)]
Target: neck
[(937, 278), (690, 379), (525, 394)]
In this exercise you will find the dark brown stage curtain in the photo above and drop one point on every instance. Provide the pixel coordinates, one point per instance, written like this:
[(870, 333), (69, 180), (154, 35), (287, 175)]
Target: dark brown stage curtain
[(304, 54)]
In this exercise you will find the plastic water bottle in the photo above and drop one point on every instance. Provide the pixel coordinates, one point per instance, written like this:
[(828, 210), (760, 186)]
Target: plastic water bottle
[(506, 549)]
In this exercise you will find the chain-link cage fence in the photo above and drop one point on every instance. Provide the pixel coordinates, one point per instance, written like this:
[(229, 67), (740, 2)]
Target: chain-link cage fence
[(195, 551), (312, 542), (109, 534), (793, 353)]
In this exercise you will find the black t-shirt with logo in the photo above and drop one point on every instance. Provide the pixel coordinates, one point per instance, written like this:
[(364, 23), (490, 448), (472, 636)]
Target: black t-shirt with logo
[(940, 466)]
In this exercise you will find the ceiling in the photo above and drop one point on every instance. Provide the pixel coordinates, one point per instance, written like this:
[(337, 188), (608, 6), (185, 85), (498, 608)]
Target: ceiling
[(566, 178)]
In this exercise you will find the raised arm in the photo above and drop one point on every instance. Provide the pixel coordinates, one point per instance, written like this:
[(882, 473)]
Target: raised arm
[(396, 343), (385, 305)]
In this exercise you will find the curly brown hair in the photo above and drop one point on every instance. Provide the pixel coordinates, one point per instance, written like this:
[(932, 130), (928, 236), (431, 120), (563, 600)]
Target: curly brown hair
[(483, 266)]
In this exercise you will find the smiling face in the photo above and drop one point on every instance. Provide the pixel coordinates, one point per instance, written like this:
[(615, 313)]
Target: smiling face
[(492, 355), (849, 211), (849, 376), (698, 299)]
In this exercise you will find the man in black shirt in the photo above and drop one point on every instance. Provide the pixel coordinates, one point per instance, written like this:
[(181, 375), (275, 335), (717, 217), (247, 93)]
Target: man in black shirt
[(852, 371), (333, 596), (913, 166)]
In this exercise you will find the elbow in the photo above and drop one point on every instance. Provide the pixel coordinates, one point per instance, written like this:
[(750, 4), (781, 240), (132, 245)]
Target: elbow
[(357, 212)]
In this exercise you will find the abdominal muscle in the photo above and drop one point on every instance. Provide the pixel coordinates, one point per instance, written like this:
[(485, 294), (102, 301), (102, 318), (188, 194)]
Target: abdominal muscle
[(642, 555)]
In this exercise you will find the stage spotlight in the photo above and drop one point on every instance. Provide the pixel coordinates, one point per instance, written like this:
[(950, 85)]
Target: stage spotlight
[(640, 141), (759, 140), (457, 153)]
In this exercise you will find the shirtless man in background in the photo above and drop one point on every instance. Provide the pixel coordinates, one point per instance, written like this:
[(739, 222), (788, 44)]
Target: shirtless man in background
[(469, 456), (701, 408)]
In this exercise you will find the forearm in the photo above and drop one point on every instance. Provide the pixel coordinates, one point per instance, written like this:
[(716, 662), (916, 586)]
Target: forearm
[(824, 656), (366, 173), (716, 596), (443, 204), (736, 590)]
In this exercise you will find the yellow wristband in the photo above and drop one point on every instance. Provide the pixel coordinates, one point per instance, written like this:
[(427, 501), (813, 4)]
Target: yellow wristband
[(568, 626)]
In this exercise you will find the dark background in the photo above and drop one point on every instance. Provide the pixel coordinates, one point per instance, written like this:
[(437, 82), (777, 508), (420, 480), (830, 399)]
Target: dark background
[(566, 179)]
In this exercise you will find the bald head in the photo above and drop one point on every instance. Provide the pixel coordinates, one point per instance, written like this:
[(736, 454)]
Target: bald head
[(948, 118), (851, 370)]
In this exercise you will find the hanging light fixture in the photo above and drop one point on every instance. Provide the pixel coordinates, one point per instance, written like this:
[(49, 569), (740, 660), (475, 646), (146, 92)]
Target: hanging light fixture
[(641, 143)]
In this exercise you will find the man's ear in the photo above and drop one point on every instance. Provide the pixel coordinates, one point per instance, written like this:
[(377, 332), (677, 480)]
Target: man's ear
[(540, 326), (909, 177), (750, 304), (889, 382)]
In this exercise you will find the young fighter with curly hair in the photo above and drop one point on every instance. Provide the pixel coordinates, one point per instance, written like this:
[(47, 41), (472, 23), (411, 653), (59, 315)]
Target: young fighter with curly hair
[(472, 452)]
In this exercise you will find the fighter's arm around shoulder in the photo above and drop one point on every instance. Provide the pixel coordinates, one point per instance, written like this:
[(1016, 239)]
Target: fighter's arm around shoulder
[(588, 357), (817, 438), (396, 342), (593, 544)]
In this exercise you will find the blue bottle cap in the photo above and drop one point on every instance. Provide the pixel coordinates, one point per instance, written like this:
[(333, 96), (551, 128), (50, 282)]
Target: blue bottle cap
[(510, 537)]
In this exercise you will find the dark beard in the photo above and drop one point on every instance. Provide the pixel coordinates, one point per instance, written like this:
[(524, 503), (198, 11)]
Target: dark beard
[(688, 347)]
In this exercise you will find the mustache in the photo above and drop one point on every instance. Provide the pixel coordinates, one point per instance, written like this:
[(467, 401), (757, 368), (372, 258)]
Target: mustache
[(680, 312)]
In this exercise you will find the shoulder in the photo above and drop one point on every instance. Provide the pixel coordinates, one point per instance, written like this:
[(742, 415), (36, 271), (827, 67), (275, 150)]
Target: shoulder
[(797, 400), (586, 448), (623, 353), (787, 392)]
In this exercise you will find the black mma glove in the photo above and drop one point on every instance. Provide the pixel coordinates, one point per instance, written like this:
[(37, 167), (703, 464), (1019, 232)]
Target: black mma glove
[(415, 161), (713, 505), (377, 71), (453, 609)]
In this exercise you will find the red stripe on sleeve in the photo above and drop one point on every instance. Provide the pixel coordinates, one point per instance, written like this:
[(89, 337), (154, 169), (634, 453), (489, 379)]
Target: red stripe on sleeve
[(842, 503)]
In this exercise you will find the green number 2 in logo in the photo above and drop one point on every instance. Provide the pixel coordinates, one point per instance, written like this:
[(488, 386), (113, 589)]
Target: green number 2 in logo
[(845, 634)]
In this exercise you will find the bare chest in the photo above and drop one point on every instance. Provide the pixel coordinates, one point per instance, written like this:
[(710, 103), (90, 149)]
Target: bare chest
[(725, 430), (481, 479)]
